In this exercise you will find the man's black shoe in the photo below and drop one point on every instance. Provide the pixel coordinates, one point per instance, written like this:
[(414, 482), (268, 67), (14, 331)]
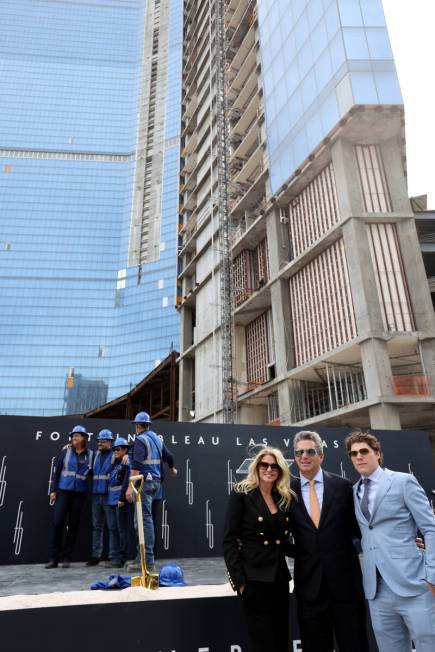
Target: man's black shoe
[(51, 564), (93, 561)]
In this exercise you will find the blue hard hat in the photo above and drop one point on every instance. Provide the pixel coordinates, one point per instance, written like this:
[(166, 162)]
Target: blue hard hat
[(105, 434), (79, 430), (171, 575), (121, 441), (142, 417)]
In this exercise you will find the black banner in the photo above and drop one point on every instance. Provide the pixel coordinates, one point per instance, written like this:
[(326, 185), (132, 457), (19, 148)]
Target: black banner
[(209, 458)]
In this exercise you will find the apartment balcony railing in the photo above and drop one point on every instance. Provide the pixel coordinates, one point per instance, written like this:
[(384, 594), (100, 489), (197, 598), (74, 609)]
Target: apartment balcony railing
[(344, 386)]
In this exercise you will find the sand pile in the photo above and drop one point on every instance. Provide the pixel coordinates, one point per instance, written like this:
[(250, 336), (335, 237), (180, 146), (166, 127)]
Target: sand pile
[(136, 594)]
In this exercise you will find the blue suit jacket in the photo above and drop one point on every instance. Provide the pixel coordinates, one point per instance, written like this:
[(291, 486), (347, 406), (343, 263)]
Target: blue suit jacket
[(401, 508)]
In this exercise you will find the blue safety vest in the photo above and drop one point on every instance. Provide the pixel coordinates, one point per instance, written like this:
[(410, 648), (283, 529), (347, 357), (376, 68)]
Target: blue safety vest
[(102, 468), (74, 472), (150, 466), (115, 485)]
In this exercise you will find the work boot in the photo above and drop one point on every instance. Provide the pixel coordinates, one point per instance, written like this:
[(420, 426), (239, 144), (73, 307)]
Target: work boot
[(93, 561), (51, 564), (66, 563), (113, 563), (132, 566)]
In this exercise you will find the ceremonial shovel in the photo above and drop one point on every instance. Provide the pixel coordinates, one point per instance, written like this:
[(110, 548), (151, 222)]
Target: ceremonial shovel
[(147, 580)]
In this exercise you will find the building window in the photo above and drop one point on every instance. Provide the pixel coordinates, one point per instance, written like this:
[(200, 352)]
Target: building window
[(250, 272), (314, 211), (322, 307), (257, 355), (390, 278), (374, 185)]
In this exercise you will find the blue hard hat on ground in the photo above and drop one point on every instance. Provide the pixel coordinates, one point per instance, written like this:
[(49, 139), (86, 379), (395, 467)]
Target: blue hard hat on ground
[(79, 430), (171, 575), (142, 417), (121, 441), (105, 434)]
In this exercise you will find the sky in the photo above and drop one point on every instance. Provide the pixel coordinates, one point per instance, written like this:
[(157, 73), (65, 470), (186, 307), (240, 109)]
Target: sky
[(411, 25)]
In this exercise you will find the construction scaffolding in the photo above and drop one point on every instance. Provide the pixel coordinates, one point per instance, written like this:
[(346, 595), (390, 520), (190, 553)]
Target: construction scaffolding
[(229, 404)]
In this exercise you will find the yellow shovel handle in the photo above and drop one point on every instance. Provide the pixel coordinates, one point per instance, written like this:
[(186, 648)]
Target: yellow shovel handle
[(136, 478)]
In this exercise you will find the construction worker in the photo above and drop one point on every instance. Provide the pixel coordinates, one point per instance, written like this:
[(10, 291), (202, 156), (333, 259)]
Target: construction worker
[(146, 460), (69, 488), (118, 484), (101, 513)]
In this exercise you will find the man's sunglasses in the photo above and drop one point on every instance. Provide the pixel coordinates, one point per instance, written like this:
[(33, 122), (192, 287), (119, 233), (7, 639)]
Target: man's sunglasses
[(361, 451), (264, 466), (308, 451)]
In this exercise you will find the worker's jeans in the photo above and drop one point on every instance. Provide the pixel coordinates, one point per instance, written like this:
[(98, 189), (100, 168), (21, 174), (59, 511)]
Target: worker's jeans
[(122, 520), (148, 493), (67, 510), (101, 513)]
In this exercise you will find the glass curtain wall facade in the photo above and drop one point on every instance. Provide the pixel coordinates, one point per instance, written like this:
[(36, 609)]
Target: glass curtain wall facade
[(319, 58), (77, 326)]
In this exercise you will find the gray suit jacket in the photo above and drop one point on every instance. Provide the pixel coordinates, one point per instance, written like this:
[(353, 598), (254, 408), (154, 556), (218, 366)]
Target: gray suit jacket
[(401, 508)]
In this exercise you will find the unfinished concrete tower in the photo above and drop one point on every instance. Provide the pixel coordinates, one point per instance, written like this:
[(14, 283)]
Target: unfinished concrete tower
[(332, 318)]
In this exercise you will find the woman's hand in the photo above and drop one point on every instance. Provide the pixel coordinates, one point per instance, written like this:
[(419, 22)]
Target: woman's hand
[(241, 589)]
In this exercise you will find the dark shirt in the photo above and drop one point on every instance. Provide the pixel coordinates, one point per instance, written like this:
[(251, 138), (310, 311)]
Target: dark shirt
[(59, 466), (169, 459), (124, 476)]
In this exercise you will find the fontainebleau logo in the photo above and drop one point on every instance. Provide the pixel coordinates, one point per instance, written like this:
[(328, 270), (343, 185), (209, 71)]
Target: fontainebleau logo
[(189, 483), (3, 481), (209, 527), (50, 480), (165, 526), (18, 530), (231, 480)]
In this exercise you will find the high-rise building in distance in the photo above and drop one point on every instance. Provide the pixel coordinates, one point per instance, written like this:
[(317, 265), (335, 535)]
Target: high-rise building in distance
[(332, 321), (90, 96)]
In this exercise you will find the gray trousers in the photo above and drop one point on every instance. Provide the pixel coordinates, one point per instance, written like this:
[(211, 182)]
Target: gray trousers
[(397, 620)]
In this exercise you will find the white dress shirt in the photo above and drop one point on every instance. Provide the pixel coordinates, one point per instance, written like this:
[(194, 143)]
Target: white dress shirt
[(375, 480), (318, 488)]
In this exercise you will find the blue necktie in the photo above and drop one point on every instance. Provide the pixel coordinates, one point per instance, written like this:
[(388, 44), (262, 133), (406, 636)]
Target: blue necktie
[(365, 499)]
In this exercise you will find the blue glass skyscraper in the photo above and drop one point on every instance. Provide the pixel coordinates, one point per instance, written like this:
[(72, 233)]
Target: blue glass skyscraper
[(89, 163)]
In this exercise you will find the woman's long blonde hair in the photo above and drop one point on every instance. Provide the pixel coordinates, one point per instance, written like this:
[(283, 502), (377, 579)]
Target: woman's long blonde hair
[(282, 484)]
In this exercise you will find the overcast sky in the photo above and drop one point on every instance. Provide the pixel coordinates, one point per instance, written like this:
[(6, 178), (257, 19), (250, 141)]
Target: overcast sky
[(412, 33)]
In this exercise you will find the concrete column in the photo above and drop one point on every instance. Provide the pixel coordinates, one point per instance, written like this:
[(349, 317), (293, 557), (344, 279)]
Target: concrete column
[(278, 242), (186, 329), (384, 417), (350, 200), (252, 413), (284, 403), (282, 327), (377, 374), (377, 369), (366, 303), (396, 180), (239, 363), (185, 389), (416, 275)]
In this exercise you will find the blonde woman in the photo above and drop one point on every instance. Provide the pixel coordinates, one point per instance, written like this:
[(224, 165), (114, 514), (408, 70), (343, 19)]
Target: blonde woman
[(257, 526)]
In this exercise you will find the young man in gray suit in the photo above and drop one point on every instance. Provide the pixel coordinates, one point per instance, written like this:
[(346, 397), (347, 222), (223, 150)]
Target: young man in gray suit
[(399, 579)]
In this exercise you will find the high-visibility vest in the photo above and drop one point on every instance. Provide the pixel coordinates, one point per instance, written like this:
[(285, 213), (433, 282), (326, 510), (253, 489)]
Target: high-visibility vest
[(102, 468), (74, 472), (150, 466), (115, 482)]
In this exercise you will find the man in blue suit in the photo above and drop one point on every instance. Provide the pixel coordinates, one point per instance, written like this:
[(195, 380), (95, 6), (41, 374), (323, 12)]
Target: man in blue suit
[(399, 579)]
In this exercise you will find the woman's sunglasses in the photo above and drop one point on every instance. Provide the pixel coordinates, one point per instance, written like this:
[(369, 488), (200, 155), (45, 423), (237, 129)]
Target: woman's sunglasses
[(264, 466)]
